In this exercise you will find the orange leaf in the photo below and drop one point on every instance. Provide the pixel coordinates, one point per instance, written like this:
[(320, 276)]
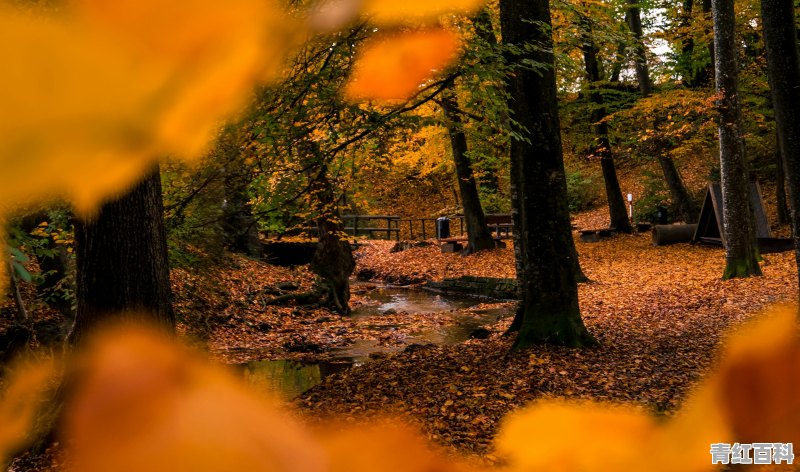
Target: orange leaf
[(392, 11), (393, 68)]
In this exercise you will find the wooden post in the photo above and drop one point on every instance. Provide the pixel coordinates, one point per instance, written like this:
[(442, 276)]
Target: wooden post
[(411, 228), (355, 227), (423, 228)]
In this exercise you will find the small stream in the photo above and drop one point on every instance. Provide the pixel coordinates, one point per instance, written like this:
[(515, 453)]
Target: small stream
[(290, 378)]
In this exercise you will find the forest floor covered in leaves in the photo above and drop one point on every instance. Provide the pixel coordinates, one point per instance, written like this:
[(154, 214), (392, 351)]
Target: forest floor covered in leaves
[(659, 314)]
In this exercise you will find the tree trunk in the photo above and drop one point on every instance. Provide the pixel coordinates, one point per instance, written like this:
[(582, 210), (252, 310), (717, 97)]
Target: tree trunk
[(784, 216), (543, 241), (239, 225), (634, 17), (478, 235), (783, 66), (677, 190), (333, 260), (741, 253), (122, 266), (602, 148), (708, 74)]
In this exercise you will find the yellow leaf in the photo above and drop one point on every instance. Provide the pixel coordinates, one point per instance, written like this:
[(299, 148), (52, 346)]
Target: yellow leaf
[(395, 67)]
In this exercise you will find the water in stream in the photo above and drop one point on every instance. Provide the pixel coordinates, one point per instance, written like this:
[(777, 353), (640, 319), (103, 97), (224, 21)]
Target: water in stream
[(289, 378)]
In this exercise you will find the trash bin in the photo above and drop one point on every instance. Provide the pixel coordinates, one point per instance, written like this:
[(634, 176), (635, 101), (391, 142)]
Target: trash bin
[(442, 227), (662, 215)]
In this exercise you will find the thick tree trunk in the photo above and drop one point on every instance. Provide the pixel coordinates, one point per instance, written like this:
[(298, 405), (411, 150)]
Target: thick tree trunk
[(545, 249), (478, 235), (784, 216), (783, 65), (333, 260), (634, 17), (122, 266), (602, 148), (677, 190), (741, 253)]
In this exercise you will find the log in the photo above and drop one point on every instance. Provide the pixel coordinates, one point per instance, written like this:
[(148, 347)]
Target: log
[(672, 234)]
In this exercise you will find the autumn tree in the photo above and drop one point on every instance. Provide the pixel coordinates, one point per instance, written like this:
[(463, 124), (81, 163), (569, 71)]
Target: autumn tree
[(478, 235), (633, 15), (741, 252), (121, 261), (602, 146), (544, 248), (783, 65), (677, 188), (695, 61)]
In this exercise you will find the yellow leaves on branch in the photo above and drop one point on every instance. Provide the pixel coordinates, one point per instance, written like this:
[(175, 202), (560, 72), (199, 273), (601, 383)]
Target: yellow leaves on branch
[(395, 67)]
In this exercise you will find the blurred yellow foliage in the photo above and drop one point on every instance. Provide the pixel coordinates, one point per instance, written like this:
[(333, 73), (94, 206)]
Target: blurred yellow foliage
[(394, 67), (753, 396), (20, 402), (392, 11), (94, 92), (95, 95), (140, 403), (143, 404)]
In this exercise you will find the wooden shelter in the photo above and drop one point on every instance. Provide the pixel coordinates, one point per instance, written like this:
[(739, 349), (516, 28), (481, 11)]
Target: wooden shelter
[(709, 226)]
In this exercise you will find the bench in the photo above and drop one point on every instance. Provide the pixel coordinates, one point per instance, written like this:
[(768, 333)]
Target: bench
[(500, 224), (454, 244), (595, 235)]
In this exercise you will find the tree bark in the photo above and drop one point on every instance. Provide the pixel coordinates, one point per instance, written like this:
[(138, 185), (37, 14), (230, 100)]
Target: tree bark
[(616, 204), (634, 17), (677, 190), (784, 216), (783, 66), (544, 248), (741, 253), (239, 225), (333, 260), (122, 266), (478, 235)]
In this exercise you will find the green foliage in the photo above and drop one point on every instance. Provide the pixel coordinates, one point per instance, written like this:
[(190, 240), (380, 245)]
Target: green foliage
[(193, 217), (49, 241), (582, 190), (655, 195)]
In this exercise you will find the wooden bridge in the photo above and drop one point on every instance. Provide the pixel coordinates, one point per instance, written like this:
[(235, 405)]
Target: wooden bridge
[(394, 227)]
